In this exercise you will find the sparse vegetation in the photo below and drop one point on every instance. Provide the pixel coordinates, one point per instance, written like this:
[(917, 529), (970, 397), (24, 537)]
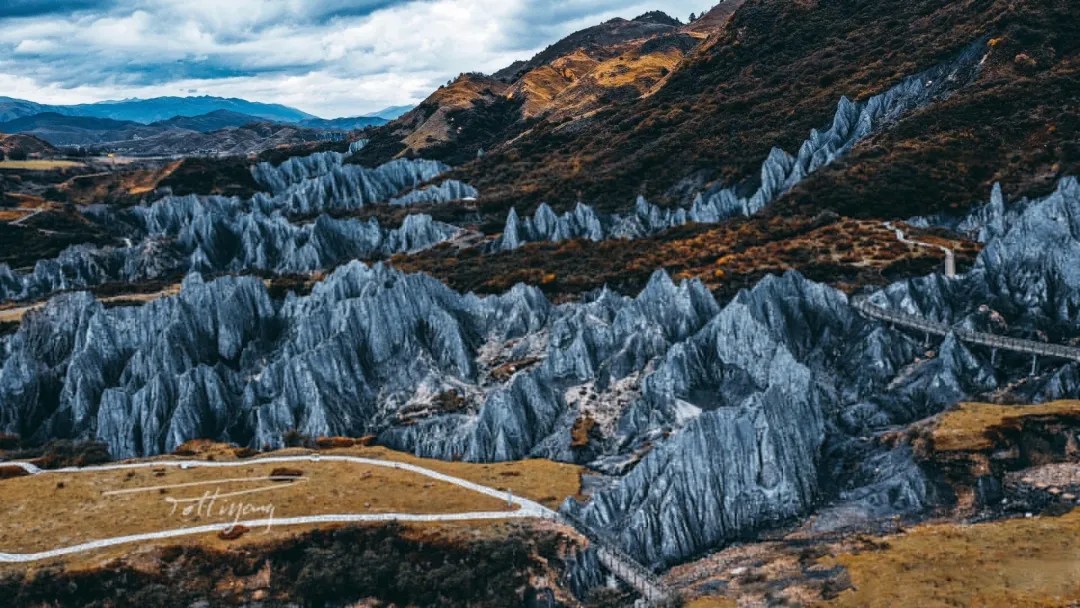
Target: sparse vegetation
[(388, 564), (775, 73), (727, 257)]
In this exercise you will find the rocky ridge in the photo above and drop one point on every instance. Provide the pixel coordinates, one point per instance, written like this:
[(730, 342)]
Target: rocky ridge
[(852, 122), (215, 234), (1025, 282)]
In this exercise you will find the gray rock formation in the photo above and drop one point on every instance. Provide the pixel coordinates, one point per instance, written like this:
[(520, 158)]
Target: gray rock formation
[(449, 190), (214, 234), (346, 187), (846, 379), (217, 235), (279, 178), (1028, 273), (780, 171), (368, 348), (357, 146), (736, 418)]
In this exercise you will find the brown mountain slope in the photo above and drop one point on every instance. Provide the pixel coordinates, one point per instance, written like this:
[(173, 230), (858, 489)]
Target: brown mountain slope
[(1016, 126), (450, 125), (26, 143), (614, 62), (596, 41), (778, 70), (630, 75), (710, 21)]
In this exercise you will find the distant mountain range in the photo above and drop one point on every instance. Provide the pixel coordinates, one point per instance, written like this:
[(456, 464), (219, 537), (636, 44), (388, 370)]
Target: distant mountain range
[(213, 121), (159, 109), (221, 131), (391, 113), (153, 110), (343, 124), (62, 130), (125, 126)]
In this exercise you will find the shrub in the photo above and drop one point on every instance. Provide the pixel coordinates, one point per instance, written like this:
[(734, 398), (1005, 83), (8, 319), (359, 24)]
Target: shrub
[(62, 453), (9, 441), (295, 439)]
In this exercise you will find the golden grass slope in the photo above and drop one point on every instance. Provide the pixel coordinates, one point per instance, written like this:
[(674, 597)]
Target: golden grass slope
[(431, 124), (48, 511), (1020, 562), (39, 165), (971, 426), (53, 510)]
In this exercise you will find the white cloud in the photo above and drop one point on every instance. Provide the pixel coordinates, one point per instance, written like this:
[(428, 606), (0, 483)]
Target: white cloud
[(34, 46), (328, 57)]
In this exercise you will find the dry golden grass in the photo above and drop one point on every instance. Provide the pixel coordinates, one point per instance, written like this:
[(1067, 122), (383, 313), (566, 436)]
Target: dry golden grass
[(120, 183), (1020, 562), (144, 182), (22, 205), (38, 165), (544, 481), (14, 314), (462, 94), (542, 85), (631, 70), (41, 514), (47, 511), (10, 215), (711, 602), (636, 69), (968, 427)]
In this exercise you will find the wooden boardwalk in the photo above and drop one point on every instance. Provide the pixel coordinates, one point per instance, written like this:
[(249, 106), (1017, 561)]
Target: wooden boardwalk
[(627, 569), (994, 341)]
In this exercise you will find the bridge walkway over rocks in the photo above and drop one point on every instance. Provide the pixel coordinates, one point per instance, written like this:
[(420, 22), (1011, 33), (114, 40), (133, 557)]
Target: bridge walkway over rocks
[(624, 567), (994, 341)]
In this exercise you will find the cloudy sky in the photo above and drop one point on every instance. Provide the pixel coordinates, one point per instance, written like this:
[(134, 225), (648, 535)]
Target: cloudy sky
[(328, 57)]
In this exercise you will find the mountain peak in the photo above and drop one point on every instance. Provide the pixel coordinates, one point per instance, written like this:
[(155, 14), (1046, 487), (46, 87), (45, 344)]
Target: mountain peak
[(658, 17)]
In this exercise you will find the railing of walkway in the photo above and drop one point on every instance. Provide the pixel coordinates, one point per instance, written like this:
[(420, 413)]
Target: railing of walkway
[(915, 322), (622, 565)]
